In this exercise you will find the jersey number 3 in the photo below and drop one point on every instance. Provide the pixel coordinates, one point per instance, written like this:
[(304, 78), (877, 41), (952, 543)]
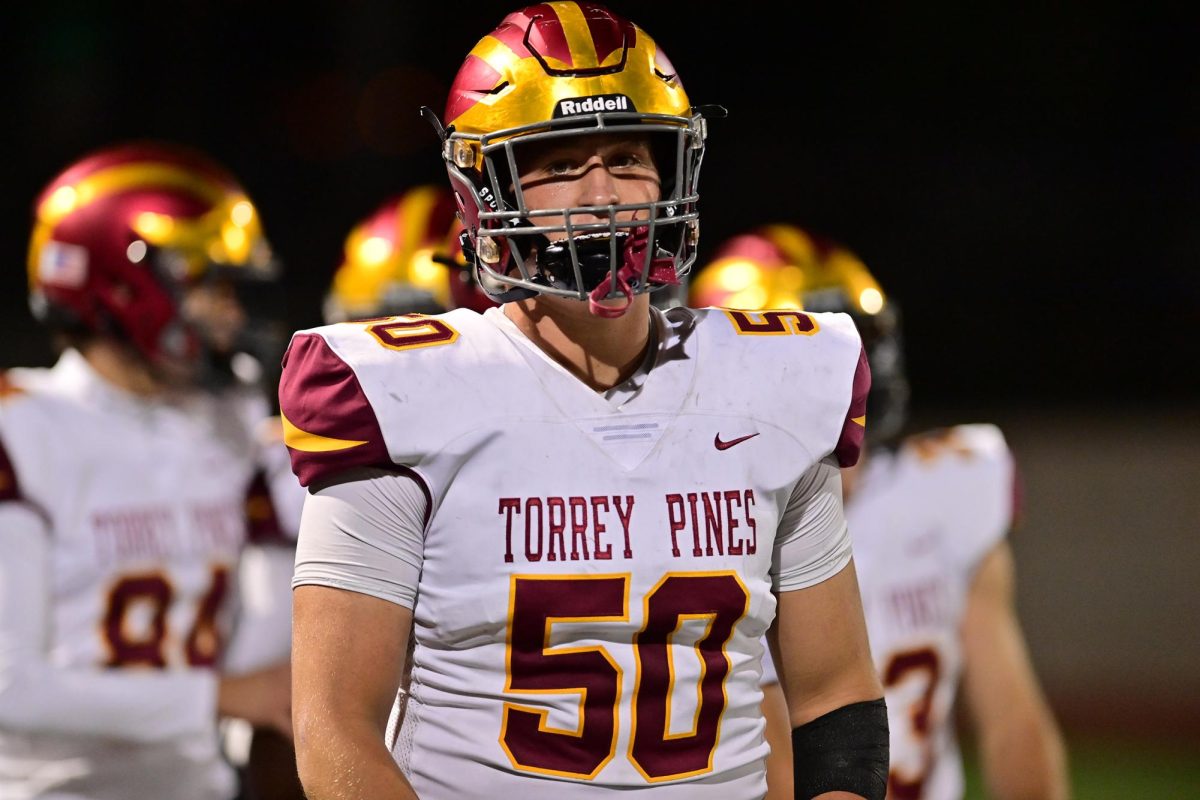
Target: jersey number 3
[(537, 603)]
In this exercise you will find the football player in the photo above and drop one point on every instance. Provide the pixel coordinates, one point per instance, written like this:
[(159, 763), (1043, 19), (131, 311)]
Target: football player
[(124, 472), (403, 258), (587, 512), (929, 515)]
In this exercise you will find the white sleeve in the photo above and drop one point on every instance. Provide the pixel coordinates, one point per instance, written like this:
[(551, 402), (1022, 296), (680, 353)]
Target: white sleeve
[(287, 495), (136, 705), (365, 534), (262, 636), (813, 540)]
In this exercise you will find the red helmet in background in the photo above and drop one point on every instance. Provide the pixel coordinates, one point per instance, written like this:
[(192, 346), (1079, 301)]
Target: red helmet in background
[(405, 258), (121, 234), (783, 266), (566, 69)]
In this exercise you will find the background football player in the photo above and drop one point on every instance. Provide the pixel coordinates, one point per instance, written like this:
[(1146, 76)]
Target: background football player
[(929, 516), (591, 510), (123, 485), (403, 258)]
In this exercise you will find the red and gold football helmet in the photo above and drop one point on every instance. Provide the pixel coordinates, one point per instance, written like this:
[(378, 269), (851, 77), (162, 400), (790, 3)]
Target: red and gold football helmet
[(123, 232), (558, 70), (783, 266), (404, 258)]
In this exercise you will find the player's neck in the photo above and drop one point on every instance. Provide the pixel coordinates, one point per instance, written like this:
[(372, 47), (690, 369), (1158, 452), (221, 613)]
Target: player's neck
[(117, 366), (600, 352)]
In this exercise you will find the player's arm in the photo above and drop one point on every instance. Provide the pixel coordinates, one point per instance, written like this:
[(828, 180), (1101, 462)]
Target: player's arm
[(777, 729), (779, 737), (819, 644), (834, 699), (357, 566), (37, 697), (344, 684), (1021, 749)]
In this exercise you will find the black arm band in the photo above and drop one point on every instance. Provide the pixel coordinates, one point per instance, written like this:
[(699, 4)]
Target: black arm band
[(845, 750)]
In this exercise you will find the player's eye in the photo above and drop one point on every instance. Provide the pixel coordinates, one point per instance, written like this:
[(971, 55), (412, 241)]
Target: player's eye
[(628, 160), (561, 166)]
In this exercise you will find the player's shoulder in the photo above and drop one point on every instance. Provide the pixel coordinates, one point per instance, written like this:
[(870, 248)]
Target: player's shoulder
[(10, 388), (29, 400), (789, 345), (346, 387), (387, 339), (33, 421), (804, 372), (779, 327), (966, 475), (957, 447), (402, 343)]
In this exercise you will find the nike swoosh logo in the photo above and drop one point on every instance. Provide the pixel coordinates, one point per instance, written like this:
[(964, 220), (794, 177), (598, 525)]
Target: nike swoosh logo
[(717, 443)]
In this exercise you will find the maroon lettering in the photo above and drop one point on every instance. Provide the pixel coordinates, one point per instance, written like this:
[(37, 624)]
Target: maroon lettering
[(696, 551), (677, 524), (578, 527), (752, 545), (587, 672), (204, 643), (557, 528), (659, 754), (407, 332), (530, 553), (731, 496), (712, 524), (510, 505), (142, 647), (625, 515), (923, 664), (598, 528)]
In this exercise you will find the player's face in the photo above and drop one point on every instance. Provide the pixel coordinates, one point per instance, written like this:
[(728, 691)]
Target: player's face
[(589, 171), (214, 310)]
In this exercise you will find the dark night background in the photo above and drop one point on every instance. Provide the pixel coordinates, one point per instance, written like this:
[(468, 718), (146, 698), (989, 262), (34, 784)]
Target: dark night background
[(1026, 182), (1023, 178)]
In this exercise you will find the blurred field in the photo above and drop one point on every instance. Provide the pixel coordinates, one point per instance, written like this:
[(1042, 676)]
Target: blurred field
[(1111, 770)]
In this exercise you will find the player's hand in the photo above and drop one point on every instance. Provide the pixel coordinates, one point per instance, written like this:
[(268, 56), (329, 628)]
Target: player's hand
[(262, 698)]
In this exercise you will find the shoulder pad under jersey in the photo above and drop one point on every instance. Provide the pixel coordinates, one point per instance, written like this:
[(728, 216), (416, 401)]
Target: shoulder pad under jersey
[(379, 393), (969, 474), (804, 372)]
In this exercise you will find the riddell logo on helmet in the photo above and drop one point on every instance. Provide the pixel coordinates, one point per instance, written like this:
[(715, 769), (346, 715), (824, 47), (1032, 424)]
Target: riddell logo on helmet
[(593, 105)]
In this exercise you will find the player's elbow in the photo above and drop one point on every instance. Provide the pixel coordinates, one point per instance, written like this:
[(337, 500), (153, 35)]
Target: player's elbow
[(1026, 761), (310, 765)]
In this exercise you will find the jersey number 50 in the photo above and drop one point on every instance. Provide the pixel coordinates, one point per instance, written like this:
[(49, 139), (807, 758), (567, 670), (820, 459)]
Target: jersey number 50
[(537, 603)]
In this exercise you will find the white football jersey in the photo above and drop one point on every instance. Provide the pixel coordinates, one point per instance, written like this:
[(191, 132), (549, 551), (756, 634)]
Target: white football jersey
[(597, 574), (144, 510), (263, 634), (922, 517)]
